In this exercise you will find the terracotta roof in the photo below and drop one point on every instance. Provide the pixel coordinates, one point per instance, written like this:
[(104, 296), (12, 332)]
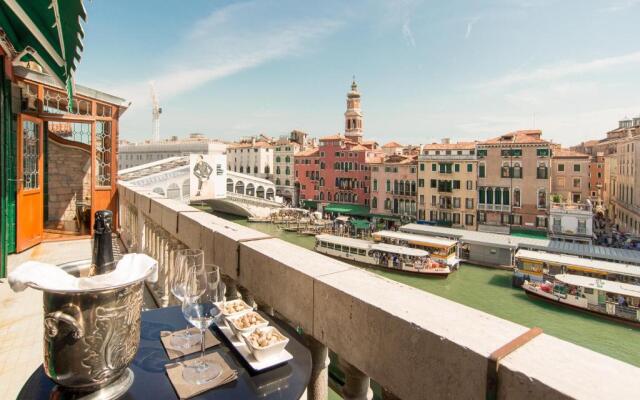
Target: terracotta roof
[(307, 153), (518, 137), (566, 153), (358, 147), (333, 137), (450, 146), (250, 145)]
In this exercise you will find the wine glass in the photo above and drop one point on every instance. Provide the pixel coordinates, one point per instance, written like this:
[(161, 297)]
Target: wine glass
[(200, 308), (186, 261)]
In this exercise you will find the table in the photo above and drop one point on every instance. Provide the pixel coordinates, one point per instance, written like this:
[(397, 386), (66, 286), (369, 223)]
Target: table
[(287, 381)]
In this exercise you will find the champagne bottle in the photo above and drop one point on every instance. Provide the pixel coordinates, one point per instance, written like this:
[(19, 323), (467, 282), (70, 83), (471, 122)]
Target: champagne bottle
[(102, 260)]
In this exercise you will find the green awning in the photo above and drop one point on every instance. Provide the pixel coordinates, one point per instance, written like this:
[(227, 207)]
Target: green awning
[(387, 217), (360, 224), (310, 204), (350, 209), (48, 32)]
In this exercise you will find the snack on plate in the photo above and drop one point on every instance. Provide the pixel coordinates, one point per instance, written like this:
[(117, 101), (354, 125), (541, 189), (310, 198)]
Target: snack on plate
[(261, 338), (248, 320), (233, 307)]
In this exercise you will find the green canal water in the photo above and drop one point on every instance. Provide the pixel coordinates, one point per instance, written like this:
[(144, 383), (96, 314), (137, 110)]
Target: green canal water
[(490, 290)]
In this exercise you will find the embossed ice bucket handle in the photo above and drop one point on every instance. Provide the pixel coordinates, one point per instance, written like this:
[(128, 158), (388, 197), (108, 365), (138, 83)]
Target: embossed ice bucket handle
[(52, 320)]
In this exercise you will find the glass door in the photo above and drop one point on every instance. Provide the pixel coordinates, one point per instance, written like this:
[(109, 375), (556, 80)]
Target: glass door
[(30, 193)]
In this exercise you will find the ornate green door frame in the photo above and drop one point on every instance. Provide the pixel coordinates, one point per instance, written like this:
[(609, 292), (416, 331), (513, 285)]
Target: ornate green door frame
[(7, 173)]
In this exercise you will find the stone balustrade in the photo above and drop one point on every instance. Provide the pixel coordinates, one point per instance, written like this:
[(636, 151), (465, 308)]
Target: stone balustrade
[(414, 344)]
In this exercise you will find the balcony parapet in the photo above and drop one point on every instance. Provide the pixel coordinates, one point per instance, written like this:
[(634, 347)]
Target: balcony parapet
[(414, 344)]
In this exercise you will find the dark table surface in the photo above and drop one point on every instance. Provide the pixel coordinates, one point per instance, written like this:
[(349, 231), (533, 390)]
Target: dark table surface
[(287, 381)]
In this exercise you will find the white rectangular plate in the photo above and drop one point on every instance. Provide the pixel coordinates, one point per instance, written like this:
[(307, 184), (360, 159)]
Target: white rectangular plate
[(244, 351)]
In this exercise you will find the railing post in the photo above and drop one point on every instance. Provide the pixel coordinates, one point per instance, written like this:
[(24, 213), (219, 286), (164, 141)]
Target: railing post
[(356, 385), (319, 383)]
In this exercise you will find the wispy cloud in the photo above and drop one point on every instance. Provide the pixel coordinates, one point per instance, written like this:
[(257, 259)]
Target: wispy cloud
[(226, 42), (621, 5), (551, 72), (470, 25), (407, 34)]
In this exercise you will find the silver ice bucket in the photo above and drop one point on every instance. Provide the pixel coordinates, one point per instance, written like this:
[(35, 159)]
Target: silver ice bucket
[(91, 337)]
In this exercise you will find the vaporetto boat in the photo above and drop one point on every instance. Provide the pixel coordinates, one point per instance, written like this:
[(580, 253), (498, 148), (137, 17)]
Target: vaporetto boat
[(440, 249), (613, 300), (381, 255)]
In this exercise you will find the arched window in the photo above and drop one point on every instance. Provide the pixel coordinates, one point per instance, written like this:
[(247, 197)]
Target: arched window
[(287, 159), (260, 192), (413, 188), (505, 196), (395, 186), (489, 195), (255, 169), (277, 181), (321, 182), (240, 187), (498, 194), (287, 171), (241, 169), (374, 202), (517, 170), (542, 198), (250, 191), (322, 165), (481, 195), (375, 186), (270, 194), (266, 169), (321, 196), (401, 187), (401, 208), (287, 182), (278, 159), (277, 170), (516, 197), (388, 185), (355, 198), (387, 204), (413, 207)]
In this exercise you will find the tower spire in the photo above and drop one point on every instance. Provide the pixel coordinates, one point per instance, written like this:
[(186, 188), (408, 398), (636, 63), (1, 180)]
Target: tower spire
[(353, 115)]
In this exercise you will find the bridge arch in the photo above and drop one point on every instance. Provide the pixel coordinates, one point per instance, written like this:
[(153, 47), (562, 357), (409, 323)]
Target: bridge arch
[(270, 194), (240, 187), (250, 190), (260, 192), (230, 185), (173, 191), (158, 190)]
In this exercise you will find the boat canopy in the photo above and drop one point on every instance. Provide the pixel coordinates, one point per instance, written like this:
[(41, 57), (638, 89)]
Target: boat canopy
[(624, 289), (405, 251), (344, 241), (416, 239), (580, 262)]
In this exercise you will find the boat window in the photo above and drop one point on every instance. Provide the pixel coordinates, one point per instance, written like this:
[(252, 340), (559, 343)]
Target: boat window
[(330, 245), (323, 244), (588, 290), (362, 252), (338, 247), (353, 250)]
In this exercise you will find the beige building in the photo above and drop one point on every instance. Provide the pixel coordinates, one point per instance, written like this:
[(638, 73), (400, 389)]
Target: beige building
[(610, 184), (394, 189), (283, 163), (252, 156), (625, 193), (570, 176), (514, 182), (447, 184)]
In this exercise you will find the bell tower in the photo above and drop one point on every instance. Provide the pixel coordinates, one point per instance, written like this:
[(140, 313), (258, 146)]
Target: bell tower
[(353, 115)]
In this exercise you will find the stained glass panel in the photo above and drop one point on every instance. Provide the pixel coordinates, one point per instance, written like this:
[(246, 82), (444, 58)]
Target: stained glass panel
[(103, 153), (74, 131), (30, 155)]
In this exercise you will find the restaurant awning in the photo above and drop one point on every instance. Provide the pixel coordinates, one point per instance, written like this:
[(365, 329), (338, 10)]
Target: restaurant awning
[(360, 224), (351, 209), (48, 32)]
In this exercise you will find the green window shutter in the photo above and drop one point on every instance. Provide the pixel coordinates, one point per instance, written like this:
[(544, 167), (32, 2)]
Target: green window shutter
[(433, 167)]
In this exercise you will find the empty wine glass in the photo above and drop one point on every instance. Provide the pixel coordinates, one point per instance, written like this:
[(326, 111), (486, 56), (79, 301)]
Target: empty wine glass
[(200, 308), (186, 261)]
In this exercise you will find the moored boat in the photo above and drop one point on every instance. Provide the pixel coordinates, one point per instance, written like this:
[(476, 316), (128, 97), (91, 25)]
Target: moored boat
[(613, 300), (381, 255), (440, 249)]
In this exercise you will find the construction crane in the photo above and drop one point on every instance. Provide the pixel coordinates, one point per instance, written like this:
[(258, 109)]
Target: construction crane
[(156, 110)]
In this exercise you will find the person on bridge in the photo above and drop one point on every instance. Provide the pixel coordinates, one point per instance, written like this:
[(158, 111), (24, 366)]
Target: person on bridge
[(202, 170)]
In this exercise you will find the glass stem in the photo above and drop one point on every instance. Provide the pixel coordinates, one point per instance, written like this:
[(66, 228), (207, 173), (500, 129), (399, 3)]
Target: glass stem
[(202, 347), (187, 333)]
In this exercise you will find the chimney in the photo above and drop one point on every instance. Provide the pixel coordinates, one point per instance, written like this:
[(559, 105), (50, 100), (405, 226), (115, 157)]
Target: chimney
[(445, 141)]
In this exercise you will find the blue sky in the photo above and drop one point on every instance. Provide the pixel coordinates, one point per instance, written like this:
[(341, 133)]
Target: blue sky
[(426, 69)]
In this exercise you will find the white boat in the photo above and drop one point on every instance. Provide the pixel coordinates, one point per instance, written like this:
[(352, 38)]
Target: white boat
[(381, 255), (440, 249), (614, 300)]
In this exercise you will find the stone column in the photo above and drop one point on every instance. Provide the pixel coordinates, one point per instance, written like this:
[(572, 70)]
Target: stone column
[(319, 383), (356, 385)]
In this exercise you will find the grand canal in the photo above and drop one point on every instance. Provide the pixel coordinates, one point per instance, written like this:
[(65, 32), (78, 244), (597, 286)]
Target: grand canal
[(490, 290)]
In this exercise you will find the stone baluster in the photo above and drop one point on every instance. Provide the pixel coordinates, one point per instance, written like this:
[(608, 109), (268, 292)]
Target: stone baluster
[(246, 296), (356, 385), (319, 382)]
